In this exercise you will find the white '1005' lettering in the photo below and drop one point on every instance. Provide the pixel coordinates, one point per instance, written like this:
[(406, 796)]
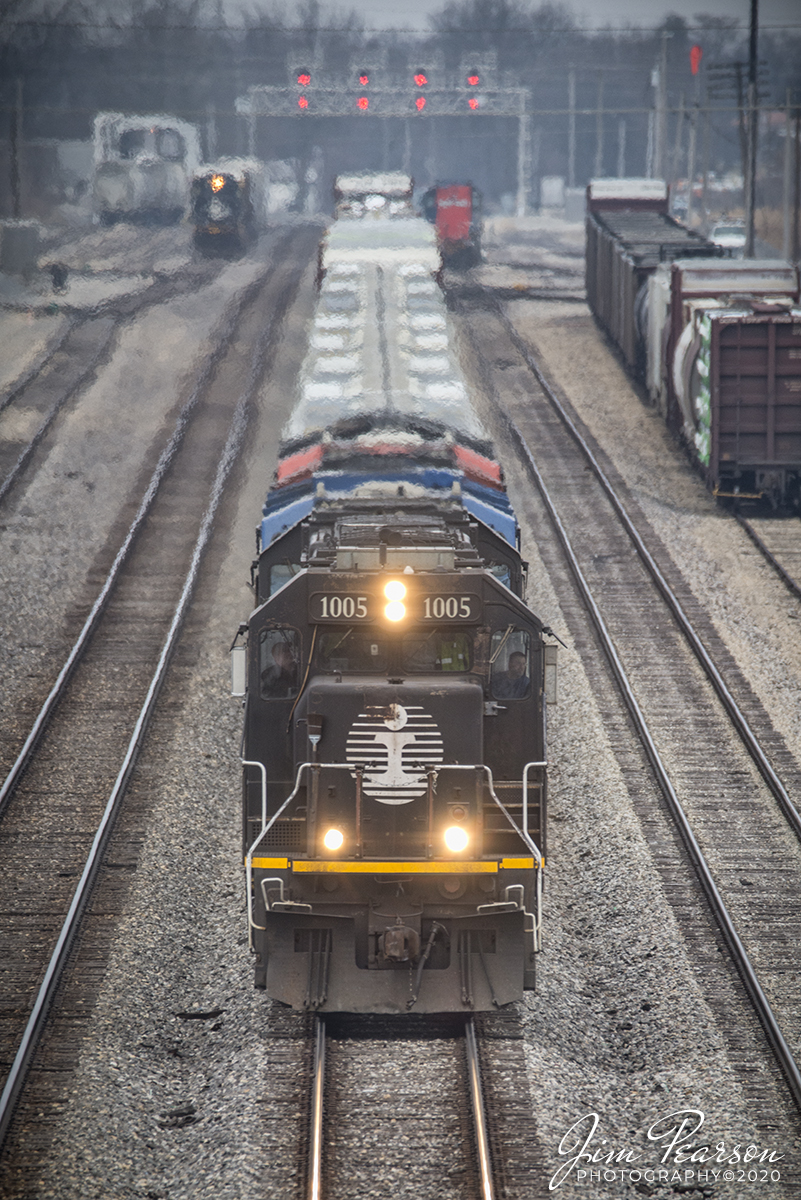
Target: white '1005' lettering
[(446, 606), (343, 606)]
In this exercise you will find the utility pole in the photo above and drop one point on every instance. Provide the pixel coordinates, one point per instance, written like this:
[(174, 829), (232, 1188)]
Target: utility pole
[(753, 120), (571, 128), (691, 161), (676, 166), (661, 110), (788, 174), (797, 187), (15, 140), (599, 130)]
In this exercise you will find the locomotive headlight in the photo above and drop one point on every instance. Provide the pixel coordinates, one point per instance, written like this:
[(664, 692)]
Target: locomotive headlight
[(456, 839), (395, 592), (334, 839), (217, 183)]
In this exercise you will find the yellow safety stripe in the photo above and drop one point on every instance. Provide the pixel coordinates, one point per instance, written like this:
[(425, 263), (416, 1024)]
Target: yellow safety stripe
[(396, 868), (304, 866)]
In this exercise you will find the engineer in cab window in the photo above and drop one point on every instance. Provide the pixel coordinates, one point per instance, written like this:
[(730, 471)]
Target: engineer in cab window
[(280, 677), (513, 683)]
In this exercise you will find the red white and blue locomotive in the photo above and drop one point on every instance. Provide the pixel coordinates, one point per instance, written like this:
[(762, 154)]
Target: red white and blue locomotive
[(394, 678)]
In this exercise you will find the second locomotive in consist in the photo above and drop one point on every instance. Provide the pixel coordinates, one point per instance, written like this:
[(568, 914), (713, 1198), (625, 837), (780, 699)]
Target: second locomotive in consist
[(394, 744)]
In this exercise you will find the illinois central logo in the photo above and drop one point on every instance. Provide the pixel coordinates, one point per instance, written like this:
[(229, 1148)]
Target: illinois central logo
[(395, 746)]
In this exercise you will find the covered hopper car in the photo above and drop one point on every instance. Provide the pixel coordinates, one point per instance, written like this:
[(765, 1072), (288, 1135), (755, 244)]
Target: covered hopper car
[(715, 340)]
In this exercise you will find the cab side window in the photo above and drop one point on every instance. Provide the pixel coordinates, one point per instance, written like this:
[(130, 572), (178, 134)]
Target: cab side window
[(279, 663), (509, 665)]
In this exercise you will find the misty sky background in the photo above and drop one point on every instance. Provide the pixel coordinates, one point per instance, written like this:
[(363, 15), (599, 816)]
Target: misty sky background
[(646, 14)]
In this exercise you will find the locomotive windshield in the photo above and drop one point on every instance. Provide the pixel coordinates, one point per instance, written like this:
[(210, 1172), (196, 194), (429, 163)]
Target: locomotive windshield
[(438, 650), (352, 651)]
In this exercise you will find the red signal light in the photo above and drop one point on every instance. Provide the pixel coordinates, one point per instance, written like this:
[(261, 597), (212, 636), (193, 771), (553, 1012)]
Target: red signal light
[(473, 102), (696, 54), (363, 103), (304, 78), (473, 80), (364, 80), (302, 102), (421, 103), (420, 79)]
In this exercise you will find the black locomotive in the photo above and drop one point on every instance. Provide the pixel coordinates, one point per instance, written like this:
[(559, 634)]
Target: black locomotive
[(224, 204), (394, 748)]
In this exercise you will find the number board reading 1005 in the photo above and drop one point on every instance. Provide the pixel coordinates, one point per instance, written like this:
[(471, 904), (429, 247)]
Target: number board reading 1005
[(423, 608)]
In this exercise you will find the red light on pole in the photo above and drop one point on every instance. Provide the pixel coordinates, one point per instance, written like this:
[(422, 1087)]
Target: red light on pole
[(473, 80), (304, 78), (302, 102), (363, 103), (421, 103), (696, 54), (364, 79), (420, 79), (473, 102)]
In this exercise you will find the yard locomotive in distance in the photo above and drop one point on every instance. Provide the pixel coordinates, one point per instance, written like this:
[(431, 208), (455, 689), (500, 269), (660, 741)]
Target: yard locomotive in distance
[(143, 167), (394, 679), (233, 200), (455, 212)]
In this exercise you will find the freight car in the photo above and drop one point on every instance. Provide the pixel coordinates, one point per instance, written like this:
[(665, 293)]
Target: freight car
[(143, 167), (713, 339), (724, 368), (394, 679), (455, 212), (629, 232)]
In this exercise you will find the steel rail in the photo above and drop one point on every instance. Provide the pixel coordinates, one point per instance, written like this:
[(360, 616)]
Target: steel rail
[(736, 715), (315, 1166), (479, 1116), (55, 969), (167, 455), (736, 948), (785, 576), (50, 351)]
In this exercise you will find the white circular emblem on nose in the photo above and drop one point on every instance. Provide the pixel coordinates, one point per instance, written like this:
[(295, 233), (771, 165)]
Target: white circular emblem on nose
[(395, 752), (399, 717)]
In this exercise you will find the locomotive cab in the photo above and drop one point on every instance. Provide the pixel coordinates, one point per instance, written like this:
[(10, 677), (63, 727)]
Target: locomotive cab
[(394, 778)]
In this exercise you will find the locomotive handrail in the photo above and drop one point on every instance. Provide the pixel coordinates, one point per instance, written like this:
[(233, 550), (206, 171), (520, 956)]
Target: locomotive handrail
[(247, 762), (523, 834), (266, 826), (525, 789)]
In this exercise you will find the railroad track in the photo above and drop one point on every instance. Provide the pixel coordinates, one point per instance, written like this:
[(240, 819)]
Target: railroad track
[(726, 775), (31, 404), (779, 541), (72, 773), (420, 1106)]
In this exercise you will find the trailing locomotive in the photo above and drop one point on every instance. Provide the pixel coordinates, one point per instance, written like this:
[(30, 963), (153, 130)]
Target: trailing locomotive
[(715, 340), (394, 679), (143, 167)]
